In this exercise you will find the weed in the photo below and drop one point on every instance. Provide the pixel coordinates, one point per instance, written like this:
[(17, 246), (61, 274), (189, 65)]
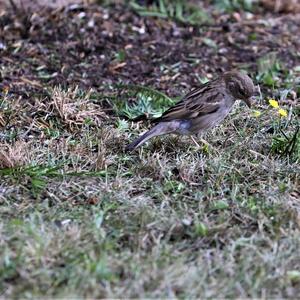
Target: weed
[(147, 102), (268, 70), (179, 10), (233, 5), (38, 176), (287, 145)]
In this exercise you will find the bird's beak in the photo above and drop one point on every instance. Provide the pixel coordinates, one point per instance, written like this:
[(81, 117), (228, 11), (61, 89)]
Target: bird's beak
[(249, 101)]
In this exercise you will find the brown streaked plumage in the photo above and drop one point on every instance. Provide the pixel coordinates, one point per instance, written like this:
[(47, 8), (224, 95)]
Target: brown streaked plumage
[(202, 108)]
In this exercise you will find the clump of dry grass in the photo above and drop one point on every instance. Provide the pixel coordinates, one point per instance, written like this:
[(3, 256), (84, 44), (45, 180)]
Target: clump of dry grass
[(15, 155), (2, 120), (74, 109), (101, 161)]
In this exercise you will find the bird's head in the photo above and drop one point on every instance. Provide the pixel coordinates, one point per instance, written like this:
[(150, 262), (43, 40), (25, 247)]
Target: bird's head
[(240, 86)]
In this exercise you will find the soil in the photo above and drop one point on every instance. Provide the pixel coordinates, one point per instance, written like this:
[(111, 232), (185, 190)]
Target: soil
[(94, 46)]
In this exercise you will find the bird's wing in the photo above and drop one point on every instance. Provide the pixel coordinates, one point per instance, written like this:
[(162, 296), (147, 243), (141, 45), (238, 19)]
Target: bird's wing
[(201, 101)]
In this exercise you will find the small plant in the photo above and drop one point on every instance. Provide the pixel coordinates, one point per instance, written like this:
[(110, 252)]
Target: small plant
[(200, 229), (281, 112), (5, 107), (276, 108), (37, 176), (284, 145), (120, 56), (233, 5), (177, 10), (122, 125), (268, 70), (148, 102)]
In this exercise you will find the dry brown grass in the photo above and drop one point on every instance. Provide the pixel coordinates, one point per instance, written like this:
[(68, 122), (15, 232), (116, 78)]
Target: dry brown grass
[(80, 218), (169, 220), (74, 110), (16, 155)]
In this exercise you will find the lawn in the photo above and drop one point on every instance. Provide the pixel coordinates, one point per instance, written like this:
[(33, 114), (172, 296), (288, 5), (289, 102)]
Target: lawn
[(82, 218)]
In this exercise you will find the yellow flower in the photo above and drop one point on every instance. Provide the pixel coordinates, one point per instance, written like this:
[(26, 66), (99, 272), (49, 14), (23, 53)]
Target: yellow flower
[(282, 112), (5, 90), (273, 103), (256, 113)]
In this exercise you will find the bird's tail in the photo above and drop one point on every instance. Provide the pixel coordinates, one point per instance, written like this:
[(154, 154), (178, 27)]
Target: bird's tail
[(159, 129)]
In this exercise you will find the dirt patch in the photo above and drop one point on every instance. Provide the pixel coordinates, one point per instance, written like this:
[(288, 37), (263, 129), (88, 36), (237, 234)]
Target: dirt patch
[(96, 47)]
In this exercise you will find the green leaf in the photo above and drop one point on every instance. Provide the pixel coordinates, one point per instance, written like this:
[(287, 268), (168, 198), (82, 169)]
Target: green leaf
[(179, 10), (269, 79), (200, 229), (162, 7), (210, 43), (148, 102), (293, 275), (219, 205)]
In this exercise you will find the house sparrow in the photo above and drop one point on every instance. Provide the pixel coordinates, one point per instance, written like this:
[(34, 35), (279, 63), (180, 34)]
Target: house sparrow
[(202, 108)]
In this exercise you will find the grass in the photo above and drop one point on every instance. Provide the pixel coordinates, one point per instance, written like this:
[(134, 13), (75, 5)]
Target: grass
[(178, 10), (81, 217), (236, 5), (268, 70)]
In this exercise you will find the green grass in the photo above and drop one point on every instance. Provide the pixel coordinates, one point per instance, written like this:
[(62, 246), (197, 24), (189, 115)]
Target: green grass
[(178, 10), (268, 70), (235, 5), (81, 217)]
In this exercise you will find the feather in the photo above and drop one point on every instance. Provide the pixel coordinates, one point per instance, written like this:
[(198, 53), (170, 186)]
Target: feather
[(199, 102)]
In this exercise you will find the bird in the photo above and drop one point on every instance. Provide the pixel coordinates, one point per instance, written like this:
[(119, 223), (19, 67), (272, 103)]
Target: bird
[(202, 108)]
